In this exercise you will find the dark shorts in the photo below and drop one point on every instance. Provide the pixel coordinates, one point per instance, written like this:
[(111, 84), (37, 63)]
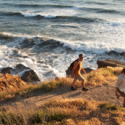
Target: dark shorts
[(121, 93)]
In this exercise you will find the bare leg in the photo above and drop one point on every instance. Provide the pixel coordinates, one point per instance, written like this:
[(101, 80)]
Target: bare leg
[(83, 84), (73, 83)]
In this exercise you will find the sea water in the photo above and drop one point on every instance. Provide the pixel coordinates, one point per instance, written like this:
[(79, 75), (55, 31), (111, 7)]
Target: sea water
[(47, 35)]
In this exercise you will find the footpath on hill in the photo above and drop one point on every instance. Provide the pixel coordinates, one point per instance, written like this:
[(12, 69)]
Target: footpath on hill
[(103, 79), (37, 98)]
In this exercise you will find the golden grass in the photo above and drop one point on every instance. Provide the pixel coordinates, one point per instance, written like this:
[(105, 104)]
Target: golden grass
[(45, 86), (101, 76), (94, 78), (67, 112)]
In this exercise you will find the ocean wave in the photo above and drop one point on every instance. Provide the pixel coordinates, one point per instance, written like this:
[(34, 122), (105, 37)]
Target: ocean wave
[(98, 10), (108, 11), (98, 3), (39, 5), (48, 43), (53, 17), (101, 10)]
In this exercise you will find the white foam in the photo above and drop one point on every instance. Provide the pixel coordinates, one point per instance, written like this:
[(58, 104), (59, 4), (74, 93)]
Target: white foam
[(51, 13), (21, 73), (99, 47), (96, 47), (58, 66), (56, 72)]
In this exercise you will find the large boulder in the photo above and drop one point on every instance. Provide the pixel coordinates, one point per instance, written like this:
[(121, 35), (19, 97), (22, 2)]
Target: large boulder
[(9, 82), (110, 62), (5, 70), (26, 74), (115, 53), (29, 76)]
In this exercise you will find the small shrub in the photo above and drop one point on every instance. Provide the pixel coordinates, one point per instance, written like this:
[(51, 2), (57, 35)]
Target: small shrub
[(73, 112), (52, 84), (91, 76), (107, 72), (58, 116), (39, 117), (109, 106)]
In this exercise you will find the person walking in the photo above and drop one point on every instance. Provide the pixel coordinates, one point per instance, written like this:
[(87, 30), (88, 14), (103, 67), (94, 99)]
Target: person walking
[(76, 73), (120, 86)]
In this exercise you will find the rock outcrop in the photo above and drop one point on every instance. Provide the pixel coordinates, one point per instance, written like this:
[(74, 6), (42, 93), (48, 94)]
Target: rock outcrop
[(9, 82), (110, 62), (29, 76), (26, 74), (5, 70)]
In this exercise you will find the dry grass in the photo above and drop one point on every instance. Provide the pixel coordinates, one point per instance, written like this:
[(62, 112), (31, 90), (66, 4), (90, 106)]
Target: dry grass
[(13, 93), (102, 76), (95, 78), (67, 112), (45, 86)]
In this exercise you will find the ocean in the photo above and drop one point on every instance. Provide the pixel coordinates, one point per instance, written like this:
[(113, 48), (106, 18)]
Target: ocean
[(47, 35)]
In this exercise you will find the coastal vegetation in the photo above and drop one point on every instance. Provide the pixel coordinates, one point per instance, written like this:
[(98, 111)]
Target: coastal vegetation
[(95, 78), (66, 112)]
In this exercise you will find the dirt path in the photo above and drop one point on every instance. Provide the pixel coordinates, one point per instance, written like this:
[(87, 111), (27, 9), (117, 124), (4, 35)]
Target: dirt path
[(38, 98)]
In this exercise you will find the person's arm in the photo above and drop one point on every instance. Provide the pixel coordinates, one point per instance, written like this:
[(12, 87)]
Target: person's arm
[(84, 71), (74, 67), (116, 91)]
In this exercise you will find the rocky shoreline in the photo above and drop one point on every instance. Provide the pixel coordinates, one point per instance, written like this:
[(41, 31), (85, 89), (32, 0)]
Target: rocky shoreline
[(26, 74), (21, 75), (17, 77)]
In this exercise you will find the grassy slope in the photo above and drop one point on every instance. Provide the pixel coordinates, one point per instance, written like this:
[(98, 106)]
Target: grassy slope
[(68, 112), (95, 78)]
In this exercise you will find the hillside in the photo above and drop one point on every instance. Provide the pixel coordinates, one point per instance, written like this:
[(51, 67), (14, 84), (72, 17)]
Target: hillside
[(53, 103)]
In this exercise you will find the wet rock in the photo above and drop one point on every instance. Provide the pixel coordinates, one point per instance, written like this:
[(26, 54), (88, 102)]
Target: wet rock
[(88, 70), (115, 53), (29, 76), (110, 62), (5, 70), (26, 74), (18, 69), (112, 52), (21, 67)]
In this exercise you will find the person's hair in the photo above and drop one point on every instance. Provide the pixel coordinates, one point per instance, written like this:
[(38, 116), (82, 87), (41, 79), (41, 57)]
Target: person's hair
[(123, 71), (80, 55)]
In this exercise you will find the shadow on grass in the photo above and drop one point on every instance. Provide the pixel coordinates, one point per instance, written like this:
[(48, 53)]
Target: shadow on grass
[(36, 92)]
